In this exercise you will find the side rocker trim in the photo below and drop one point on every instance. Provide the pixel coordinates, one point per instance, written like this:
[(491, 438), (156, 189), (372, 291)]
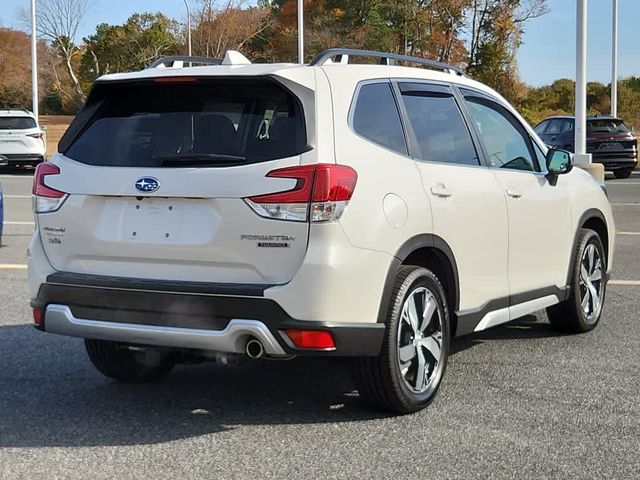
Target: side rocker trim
[(468, 320)]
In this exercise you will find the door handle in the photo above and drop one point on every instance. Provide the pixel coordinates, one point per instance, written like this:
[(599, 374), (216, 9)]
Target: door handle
[(513, 193), (440, 190)]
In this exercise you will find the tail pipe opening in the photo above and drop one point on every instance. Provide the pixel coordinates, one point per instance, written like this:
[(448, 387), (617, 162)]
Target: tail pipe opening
[(254, 348)]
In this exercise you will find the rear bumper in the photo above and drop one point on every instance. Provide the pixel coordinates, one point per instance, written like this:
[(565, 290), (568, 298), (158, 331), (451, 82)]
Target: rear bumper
[(60, 319), (615, 162), (23, 157), (183, 319)]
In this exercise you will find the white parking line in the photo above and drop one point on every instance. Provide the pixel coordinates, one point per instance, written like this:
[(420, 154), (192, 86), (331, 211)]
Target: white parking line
[(9, 266), (628, 283), (18, 196), (19, 223), (625, 204), (17, 177), (627, 233), (624, 183)]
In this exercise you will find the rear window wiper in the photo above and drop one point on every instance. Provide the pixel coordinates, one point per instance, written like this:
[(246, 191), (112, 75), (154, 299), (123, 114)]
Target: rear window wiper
[(198, 160)]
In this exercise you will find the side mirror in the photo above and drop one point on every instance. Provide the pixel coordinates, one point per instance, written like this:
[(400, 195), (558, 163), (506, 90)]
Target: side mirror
[(3, 161), (558, 162)]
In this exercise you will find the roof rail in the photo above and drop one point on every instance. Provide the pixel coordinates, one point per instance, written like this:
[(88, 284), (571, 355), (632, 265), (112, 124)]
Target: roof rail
[(385, 59), (172, 60)]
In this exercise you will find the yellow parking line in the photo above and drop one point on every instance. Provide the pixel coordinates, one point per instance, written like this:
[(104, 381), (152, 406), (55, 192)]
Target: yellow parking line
[(14, 266), (628, 283)]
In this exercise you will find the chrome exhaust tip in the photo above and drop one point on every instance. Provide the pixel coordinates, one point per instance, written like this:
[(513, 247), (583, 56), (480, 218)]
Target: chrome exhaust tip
[(254, 348)]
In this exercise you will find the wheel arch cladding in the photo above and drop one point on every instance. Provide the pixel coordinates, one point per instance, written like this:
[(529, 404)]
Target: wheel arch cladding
[(595, 220), (432, 252)]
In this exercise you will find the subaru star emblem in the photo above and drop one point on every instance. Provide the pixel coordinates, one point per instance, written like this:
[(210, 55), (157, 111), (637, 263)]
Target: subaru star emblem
[(147, 184)]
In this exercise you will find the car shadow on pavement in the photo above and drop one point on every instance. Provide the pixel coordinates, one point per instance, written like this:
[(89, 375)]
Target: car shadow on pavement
[(50, 396)]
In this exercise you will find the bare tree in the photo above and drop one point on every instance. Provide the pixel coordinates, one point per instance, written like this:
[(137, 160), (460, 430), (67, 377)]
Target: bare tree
[(483, 14), (58, 21), (529, 9), (228, 24)]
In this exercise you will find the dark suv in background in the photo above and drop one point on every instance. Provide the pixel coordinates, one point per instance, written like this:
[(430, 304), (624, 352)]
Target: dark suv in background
[(608, 140)]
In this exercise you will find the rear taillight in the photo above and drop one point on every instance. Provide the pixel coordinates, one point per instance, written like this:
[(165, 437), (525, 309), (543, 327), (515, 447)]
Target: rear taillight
[(37, 317), (35, 135), (321, 194), (46, 199)]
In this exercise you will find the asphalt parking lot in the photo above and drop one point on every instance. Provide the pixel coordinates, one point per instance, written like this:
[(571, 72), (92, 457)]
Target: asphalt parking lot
[(518, 401)]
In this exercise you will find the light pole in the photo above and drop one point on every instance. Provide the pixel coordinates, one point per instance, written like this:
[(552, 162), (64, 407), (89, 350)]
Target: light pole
[(186, 4), (614, 62), (301, 31), (34, 61), (581, 157)]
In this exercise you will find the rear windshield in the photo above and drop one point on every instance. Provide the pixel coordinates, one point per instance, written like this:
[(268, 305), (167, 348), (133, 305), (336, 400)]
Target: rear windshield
[(193, 123), (606, 126), (17, 123)]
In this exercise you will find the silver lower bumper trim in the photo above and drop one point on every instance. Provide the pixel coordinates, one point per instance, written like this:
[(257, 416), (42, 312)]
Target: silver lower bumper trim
[(59, 319)]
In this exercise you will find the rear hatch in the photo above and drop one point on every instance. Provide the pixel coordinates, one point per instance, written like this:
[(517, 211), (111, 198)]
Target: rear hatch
[(157, 173), (610, 138), (19, 135)]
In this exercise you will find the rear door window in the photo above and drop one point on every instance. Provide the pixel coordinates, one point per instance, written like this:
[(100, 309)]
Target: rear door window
[(17, 123), (376, 117), (438, 126), (194, 122), (559, 126)]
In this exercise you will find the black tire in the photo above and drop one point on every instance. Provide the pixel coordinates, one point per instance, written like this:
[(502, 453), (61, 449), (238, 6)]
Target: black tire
[(623, 172), (570, 316), (125, 365), (379, 379)]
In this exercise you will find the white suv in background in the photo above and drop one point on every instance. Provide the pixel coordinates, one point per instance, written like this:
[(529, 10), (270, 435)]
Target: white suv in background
[(373, 211), (22, 141)]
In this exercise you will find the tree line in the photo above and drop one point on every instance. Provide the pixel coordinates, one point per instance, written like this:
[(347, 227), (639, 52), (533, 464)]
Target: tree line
[(481, 36)]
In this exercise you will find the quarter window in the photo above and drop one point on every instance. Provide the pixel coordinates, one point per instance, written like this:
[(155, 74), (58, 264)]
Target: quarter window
[(505, 139), (376, 117), (440, 131)]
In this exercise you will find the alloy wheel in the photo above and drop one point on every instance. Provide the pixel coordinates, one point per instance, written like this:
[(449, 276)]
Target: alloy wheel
[(591, 284), (420, 340)]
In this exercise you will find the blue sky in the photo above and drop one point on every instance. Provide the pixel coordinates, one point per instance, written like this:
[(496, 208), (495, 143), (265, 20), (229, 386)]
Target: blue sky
[(548, 52)]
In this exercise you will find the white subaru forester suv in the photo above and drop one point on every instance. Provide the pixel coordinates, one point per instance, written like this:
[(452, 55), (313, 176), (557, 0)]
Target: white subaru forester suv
[(374, 211)]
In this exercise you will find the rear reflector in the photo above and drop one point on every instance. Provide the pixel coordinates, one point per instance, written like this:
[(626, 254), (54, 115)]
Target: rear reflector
[(46, 199), (37, 317), (321, 193), (312, 339)]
